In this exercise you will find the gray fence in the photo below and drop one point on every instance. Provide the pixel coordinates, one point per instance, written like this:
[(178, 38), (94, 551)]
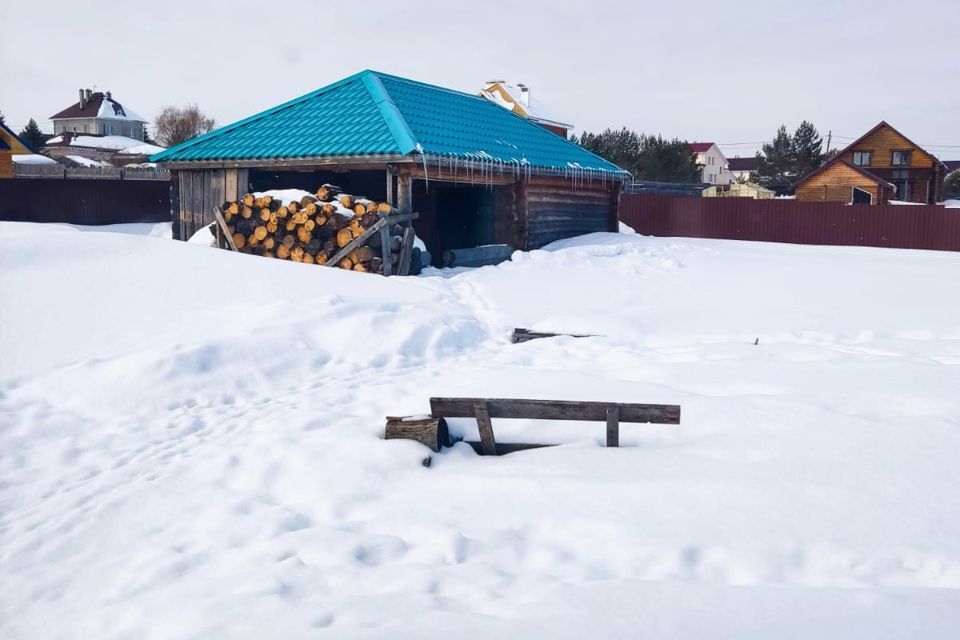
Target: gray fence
[(95, 173)]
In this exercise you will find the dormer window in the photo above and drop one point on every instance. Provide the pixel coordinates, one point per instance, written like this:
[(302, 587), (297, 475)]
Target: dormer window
[(900, 159), (861, 158)]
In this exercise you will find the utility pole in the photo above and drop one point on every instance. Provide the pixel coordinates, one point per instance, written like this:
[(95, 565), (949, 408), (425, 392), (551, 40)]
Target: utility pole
[(829, 137)]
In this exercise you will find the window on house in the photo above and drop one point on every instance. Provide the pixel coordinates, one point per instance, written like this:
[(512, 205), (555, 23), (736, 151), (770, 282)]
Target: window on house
[(900, 158), (861, 158)]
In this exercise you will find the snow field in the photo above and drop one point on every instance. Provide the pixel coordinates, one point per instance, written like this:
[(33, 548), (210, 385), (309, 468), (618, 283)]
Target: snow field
[(189, 443)]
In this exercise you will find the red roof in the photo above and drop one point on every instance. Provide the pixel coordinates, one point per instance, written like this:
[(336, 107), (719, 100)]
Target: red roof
[(90, 110), (743, 164), (699, 147)]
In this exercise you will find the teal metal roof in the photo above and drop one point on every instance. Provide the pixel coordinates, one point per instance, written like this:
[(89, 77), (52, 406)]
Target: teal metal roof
[(371, 113)]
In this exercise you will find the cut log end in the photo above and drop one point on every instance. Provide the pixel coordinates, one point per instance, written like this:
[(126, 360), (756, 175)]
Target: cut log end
[(431, 432)]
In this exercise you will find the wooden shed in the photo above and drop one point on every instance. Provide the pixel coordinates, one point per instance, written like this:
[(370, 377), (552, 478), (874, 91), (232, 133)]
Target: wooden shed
[(476, 173), (10, 145)]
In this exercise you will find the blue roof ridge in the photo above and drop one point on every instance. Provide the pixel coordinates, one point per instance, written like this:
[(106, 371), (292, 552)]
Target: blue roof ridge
[(262, 114), (380, 74), (391, 114)]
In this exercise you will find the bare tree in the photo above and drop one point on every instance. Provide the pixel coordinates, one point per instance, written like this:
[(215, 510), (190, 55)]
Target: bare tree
[(179, 124)]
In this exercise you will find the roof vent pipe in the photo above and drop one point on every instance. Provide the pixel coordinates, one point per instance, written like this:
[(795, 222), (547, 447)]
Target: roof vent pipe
[(83, 99)]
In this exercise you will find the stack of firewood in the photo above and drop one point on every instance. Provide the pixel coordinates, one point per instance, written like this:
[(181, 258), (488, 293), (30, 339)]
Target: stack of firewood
[(314, 229)]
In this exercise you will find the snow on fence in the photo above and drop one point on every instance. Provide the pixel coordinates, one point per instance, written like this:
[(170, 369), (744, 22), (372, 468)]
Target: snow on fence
[(101, 173), (918, 227)]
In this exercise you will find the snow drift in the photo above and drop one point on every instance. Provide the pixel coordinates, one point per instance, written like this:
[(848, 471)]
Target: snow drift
[(190, 443)]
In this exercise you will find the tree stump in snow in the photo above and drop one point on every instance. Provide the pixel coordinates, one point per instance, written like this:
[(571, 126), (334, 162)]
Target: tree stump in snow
[(429, 431)]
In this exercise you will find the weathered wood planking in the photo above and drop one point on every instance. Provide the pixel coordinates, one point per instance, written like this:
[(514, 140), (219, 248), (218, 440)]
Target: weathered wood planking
[(484, 426), (555, 410), (525, 335), (406, 250)]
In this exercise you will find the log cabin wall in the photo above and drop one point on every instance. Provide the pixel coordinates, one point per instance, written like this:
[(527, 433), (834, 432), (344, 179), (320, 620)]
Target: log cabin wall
[(835, 184), (553, 211)]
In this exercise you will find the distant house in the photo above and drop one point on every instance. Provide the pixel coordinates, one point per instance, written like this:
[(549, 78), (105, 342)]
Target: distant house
[(98, 113), (741, 168), (951, 165), (880, 166), (10, 146), (712, 163), (517, 98)]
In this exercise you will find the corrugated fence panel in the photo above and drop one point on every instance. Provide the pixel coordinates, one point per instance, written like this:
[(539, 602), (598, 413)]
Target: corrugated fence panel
[(88, 202), (895, 226)]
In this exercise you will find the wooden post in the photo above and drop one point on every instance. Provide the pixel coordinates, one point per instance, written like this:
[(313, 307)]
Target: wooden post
[(385, 250), (613, 427), (390, 198), (487, 441), (404, 193), (406, 250)]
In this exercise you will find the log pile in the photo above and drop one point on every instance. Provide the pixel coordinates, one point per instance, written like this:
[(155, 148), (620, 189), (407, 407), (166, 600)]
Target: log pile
[(313, 229)]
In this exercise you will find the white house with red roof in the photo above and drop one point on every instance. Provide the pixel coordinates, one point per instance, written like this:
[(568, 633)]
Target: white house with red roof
[(714, 168)]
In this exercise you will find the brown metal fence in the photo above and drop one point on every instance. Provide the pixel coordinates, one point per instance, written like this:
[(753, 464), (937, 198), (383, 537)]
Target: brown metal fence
[(897, 226), (91, 202)]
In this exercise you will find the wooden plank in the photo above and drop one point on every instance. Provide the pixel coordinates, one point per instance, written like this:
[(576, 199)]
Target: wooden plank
[(356, 242), (613, 427), (477, 256), (406, 249), (525, 335), (230, 188), (555, 410), (390, 197), (503, 448), (222, 225), (485, 427), (385, 250)]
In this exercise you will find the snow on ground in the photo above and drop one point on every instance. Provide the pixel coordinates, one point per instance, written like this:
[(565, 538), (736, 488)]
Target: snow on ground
[(190, 444)]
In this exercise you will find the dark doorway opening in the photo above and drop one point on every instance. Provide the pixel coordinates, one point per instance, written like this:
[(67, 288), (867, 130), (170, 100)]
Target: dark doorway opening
[(454, 216), (861, 197)]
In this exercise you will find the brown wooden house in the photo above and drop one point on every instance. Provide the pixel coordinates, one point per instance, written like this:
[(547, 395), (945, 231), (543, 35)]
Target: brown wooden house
[(880, 166), (10, 145)]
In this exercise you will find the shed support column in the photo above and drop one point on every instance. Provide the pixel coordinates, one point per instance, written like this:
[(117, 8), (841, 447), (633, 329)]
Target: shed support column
[(390, 197), (404, 193)]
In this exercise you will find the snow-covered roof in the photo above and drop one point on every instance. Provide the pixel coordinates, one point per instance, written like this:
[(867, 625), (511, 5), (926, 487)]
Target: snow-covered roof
[(100, 105), (32, 158), (112, 143), (509, 96), (88, 162)]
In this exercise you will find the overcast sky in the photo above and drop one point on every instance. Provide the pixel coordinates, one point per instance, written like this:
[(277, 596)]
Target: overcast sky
[(728, 72)]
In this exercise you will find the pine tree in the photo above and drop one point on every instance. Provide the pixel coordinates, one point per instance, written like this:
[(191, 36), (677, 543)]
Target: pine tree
[(3, 121), (646, 157), (33, 137), (807, 149), (777, 162)]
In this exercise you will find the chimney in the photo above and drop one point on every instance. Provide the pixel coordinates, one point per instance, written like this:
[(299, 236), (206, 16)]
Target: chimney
[(89, 95), (83, 99), (524, 94), (108, 95)]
